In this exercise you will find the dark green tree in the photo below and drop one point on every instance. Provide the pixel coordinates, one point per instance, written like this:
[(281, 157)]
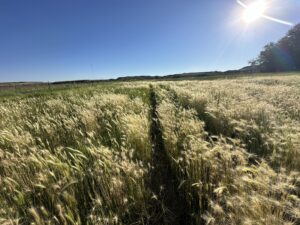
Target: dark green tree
[(281, 56)]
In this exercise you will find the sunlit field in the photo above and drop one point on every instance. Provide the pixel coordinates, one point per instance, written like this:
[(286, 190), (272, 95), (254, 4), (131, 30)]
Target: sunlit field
[(224, 151)]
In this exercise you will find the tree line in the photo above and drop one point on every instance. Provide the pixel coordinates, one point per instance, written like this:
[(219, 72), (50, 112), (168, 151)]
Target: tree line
[(283, 55)]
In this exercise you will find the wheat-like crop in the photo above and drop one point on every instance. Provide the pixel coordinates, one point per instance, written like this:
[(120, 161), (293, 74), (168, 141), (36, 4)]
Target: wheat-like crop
[(224, 151)]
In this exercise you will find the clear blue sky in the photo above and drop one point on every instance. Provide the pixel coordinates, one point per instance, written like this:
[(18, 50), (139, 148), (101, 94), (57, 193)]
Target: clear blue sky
[(43, 40)]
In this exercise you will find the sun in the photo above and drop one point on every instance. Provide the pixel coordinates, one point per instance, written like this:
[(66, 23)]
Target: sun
[(255, 11)]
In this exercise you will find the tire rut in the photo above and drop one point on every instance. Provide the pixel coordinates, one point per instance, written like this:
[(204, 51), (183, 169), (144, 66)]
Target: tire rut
[(168, 206)]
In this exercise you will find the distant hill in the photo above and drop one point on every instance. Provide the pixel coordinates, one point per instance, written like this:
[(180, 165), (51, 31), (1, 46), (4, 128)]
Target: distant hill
[(193, 75), (164, 77)]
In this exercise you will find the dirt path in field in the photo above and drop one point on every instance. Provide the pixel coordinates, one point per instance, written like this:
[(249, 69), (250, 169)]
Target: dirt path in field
[(168, 207)]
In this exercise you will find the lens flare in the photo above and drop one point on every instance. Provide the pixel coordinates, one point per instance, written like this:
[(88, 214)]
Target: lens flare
[(257, 10)]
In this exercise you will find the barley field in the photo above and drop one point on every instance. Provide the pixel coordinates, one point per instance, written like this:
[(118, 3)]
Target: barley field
[(216, 152)]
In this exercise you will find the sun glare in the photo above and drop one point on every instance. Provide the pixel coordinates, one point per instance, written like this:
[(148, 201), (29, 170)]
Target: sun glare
[(255, 11)]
